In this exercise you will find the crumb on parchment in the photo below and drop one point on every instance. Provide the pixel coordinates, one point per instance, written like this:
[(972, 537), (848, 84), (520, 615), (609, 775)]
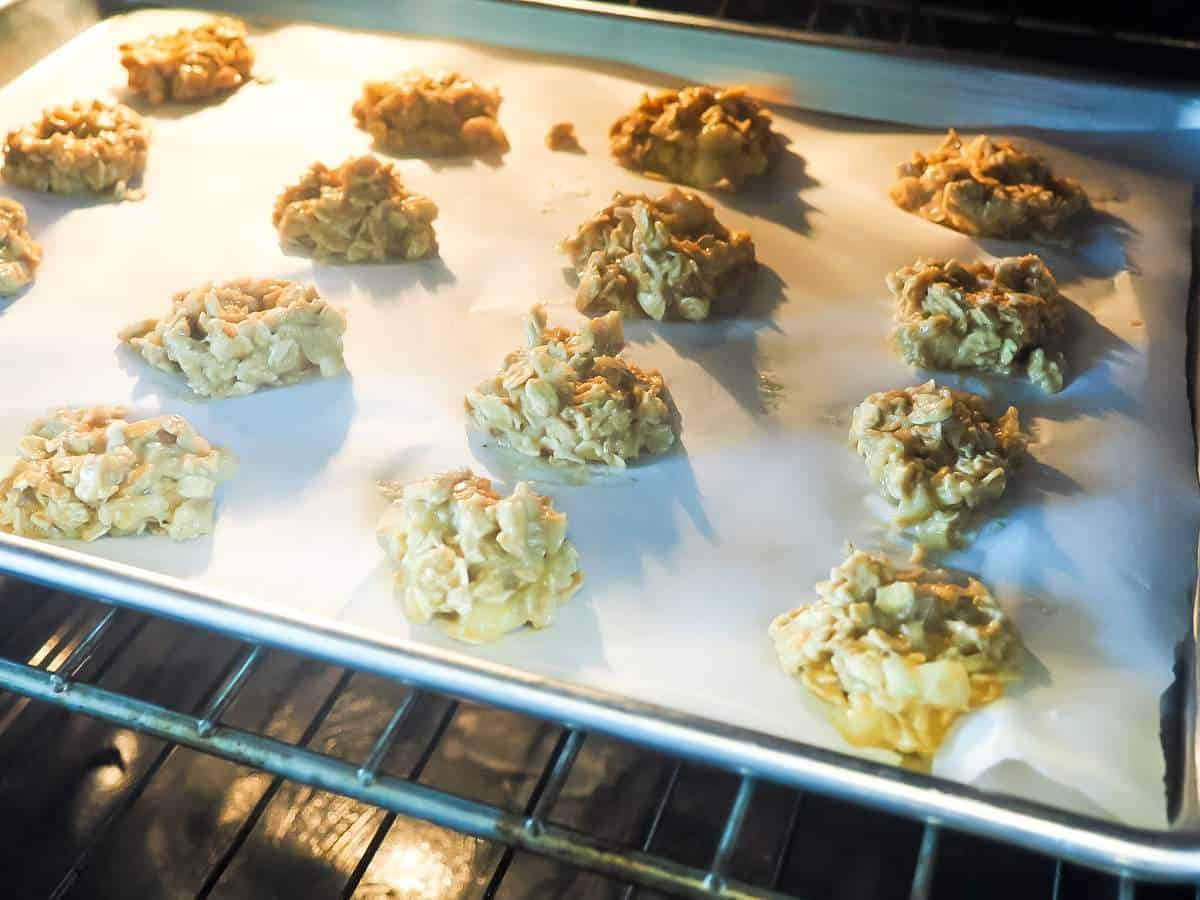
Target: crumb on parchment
[(561, 138)]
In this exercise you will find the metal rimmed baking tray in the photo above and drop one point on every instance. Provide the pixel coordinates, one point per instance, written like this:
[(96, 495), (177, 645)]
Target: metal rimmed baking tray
[(452, 670)]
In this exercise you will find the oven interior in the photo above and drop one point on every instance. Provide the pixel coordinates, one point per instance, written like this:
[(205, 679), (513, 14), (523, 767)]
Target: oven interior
[(92, 809)]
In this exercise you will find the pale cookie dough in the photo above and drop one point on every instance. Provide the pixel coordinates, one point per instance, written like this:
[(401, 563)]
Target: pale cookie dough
[(898, 655), (561, 138), (86, 473), (440, 114), (664, 258), (989, 317), (191, 64), (19, 254), (82, 147), (478, 564), (569, 397), (936, 454), (232, 338), (359, 212), (709, 138), (988, 189)]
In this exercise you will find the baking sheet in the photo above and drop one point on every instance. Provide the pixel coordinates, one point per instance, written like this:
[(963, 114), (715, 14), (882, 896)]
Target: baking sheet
[(687, 558)]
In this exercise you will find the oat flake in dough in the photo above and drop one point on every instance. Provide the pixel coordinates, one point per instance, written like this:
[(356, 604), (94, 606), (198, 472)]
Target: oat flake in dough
[(89, 472), (987, 317), (19, 253), (97, 147), (711, 138), (190, 64), (568, 396), (359, 212), (898, 654), (989, 188), (439, 114), (936, 454), (478, 564), (664, 258), (230, 339)]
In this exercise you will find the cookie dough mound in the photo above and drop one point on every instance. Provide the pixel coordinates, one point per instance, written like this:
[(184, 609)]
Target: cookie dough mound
[(232, 338), (191, 64), (84, 473), (710, 138), (442, 114), (665, 258), (479, 564), (569, 397), (988, 188), (92, 146), (898, 656), (561, 138), (19, 255), (988, 317), (359, 212), (936, 454)]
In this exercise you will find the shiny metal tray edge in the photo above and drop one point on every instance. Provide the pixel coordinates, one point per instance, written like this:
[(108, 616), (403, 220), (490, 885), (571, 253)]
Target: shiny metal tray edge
[(1172, 854)]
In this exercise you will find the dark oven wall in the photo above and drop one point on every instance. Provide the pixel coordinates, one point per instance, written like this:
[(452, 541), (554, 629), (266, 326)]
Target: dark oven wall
[(1158, 40)]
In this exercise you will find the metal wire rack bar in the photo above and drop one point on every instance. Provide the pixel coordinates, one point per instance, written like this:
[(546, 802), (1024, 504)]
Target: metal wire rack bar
[(531, 832), (174, 723), (545, 792), (554, 776), (79, 656), (414, 773), (922, 880), (729, 835), (785, 841), (61, 684), (369, 769), (227, 691), (660, 810)]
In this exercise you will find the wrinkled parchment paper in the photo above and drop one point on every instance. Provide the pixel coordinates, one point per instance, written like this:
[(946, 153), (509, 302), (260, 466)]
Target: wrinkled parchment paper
[(690, 557)]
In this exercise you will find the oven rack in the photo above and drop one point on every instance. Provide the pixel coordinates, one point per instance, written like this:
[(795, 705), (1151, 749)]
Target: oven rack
[(67, 666), (58, 681), (58, 674)]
